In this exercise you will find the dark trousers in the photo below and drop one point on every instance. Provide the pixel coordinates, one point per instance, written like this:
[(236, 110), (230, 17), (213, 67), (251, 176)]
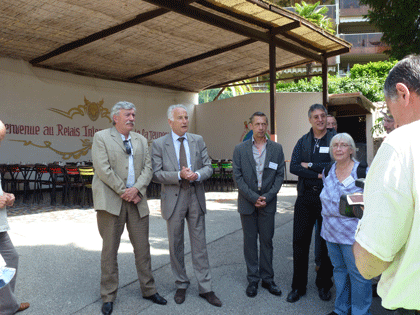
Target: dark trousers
[(258, 225), (307, 210), (402, 311)]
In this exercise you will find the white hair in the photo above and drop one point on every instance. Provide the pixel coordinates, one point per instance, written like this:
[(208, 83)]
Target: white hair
[(171, 110), (115, 111), (346, 138)]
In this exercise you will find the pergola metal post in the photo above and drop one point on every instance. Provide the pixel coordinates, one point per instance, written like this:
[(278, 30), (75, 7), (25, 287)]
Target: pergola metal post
[(272, 57), (325, 83)]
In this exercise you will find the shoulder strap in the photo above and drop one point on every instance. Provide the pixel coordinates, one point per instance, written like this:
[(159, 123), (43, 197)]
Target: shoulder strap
[(327, 169), (361, 169)]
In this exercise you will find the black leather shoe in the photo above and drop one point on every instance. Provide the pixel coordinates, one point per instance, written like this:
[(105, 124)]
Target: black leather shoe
[(252, 289), (294, 296), (324, 294), (107, 308), (271, 287), (156, 298)]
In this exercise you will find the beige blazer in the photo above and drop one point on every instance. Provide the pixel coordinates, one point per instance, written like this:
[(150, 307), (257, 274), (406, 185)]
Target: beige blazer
[(111, 170), (165, 170)]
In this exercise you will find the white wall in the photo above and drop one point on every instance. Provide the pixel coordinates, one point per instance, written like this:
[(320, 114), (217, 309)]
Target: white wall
[(221, 123), (27, 94)]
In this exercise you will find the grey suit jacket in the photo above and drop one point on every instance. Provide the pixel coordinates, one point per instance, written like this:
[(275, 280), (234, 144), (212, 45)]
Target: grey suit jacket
[(245, 175), (111, 170), (165, 170)]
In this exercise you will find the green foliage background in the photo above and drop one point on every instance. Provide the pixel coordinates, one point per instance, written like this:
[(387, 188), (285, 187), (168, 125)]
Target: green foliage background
[(368, 79), (399, 20)]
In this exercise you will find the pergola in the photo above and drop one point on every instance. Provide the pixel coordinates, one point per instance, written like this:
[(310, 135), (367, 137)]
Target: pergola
[(184, 45)]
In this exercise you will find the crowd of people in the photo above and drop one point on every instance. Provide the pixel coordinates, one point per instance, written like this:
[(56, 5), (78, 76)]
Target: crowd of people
[(351, 251)]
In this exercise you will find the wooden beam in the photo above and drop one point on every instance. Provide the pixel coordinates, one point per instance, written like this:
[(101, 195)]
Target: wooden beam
[(291, 65), (277, 80), (272, 62), (337, 52), (291, 15), (101, 34), (220, 93), (325, 83), (196, 58), (285, 28), (234, 14), (232, 26)]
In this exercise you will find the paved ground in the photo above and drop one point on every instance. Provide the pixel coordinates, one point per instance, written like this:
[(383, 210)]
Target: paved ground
[(60, 263)]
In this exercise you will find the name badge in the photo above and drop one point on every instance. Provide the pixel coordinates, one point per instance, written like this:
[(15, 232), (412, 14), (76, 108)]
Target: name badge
[(273, 165), (324, 149), (348, 181)]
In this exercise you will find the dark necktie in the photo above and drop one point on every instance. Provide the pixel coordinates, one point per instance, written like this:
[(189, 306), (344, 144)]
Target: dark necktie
[(127, 146), (183, 162)]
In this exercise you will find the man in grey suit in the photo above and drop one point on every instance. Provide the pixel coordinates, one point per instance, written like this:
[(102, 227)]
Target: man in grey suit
[(123, 171), (258, 169), (181, 164)]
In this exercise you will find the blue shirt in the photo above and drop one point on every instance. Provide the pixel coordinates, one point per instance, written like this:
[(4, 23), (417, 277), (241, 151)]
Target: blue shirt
[(337, 228), (131, 175), (177, 145)]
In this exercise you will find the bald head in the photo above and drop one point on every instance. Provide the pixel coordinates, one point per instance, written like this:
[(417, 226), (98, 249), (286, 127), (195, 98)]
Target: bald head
[(2, 131)]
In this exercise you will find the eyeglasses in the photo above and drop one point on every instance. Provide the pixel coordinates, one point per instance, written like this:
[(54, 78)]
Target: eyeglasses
[(127, 147), (340, 146)]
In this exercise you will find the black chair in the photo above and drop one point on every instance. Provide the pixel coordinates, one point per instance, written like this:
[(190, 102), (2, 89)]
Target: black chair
[(28, 175), (228, 183), (17, 180), (59, 179), (42, 179), (216, 178), (75, 183), (6, 178)]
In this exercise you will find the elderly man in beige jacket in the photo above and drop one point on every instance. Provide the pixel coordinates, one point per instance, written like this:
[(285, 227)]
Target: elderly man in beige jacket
[(123, 171)]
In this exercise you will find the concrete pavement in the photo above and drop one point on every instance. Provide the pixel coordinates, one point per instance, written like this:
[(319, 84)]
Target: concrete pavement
[(60, 264)]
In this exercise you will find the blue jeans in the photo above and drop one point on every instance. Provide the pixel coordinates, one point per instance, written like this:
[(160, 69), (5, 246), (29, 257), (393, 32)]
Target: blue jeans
[(353, 292)]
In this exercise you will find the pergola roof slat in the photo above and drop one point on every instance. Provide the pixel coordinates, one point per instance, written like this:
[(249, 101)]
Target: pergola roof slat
[(185, 45)]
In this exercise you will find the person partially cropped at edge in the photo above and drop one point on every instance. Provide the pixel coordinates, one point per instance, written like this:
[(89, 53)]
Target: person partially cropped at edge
[(388, 235), (8, 301)]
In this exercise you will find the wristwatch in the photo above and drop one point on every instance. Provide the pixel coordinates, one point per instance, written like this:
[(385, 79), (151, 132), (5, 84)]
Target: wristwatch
[(310, 164)]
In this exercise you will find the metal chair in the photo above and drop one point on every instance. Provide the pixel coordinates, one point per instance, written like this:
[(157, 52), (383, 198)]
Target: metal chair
[(86, 175), (216, 178), (59, 178), (6, 178), (75, 183), (227, 175), (42, 178), (28, 175), (17, 181)]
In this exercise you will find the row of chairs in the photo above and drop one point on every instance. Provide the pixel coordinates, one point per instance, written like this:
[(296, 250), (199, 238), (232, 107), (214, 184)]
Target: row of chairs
[(26, 180), (222, 178)]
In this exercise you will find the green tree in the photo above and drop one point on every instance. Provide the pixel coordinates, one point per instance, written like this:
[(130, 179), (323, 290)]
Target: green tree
[(316, 15), (368, 79), (400, 23)]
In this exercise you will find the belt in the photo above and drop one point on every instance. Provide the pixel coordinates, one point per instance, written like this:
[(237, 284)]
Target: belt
[(315, 188)]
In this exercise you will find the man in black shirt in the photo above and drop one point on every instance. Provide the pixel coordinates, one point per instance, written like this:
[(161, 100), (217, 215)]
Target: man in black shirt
[(310, 156)]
